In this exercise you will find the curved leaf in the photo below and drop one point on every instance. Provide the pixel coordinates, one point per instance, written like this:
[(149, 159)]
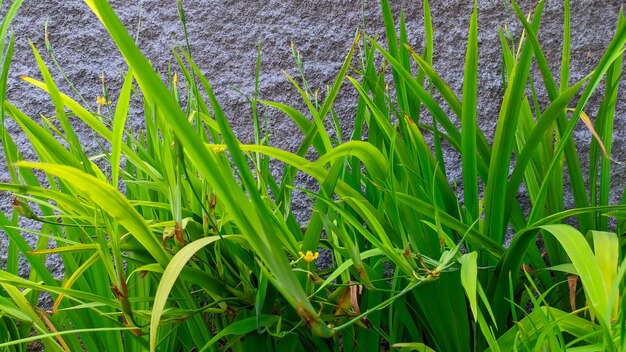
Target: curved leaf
[(168, 279), (111, 201)]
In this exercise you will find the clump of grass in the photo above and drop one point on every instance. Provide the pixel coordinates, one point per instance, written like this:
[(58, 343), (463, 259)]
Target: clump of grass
[(202, 251)]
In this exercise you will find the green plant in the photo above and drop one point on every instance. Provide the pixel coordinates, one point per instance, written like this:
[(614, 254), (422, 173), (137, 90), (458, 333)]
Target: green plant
[(201, 249)]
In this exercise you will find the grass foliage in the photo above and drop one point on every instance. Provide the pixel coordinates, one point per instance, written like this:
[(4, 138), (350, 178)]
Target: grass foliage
[(202, 251)]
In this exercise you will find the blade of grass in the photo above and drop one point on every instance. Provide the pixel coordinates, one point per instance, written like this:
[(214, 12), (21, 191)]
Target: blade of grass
[(121, 113), (111, 201), (468, 121), (168, 279)]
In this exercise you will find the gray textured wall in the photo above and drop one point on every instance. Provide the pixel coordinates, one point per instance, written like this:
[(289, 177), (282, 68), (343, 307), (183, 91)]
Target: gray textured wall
[(224, 37)]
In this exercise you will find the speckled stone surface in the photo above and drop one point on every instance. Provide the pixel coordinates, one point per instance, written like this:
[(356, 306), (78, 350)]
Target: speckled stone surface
[(224, 37)]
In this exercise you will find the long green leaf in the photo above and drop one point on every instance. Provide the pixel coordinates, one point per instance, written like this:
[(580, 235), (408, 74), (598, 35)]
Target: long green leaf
[(168, 279), (121, 113), (468, 121), (469, 277), (111, 201)]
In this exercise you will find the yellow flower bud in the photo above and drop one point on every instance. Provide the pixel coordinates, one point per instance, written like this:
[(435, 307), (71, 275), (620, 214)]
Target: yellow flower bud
[(102, 101), (218, 148), (309, 256)]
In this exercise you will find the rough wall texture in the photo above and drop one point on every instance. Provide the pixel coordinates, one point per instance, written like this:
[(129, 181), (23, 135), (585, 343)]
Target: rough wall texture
[(224, 37)]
